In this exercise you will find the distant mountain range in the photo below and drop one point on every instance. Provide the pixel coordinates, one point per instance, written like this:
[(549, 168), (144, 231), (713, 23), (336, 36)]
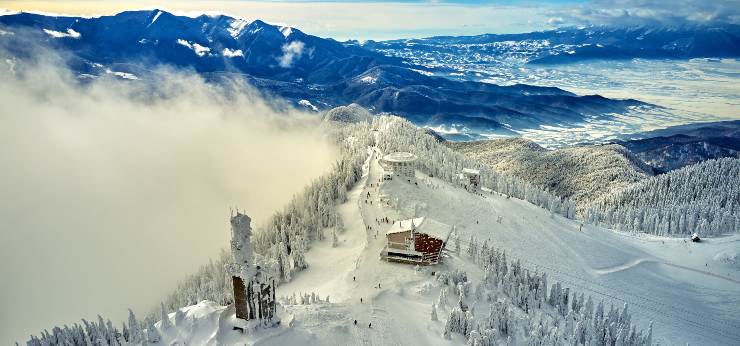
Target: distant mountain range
[(679, 146), (311, 72), (568, 45)]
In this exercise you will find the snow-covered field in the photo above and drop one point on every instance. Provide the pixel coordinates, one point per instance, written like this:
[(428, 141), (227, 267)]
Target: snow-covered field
[(686, 91), (691, 291)]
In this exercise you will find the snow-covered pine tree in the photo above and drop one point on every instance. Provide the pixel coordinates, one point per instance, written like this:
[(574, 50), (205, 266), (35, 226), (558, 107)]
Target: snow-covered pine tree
[(152, 334), (166, 323), (135, 332)]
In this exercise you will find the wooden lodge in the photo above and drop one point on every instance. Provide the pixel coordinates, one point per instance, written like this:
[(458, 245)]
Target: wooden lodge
[(416, 241)]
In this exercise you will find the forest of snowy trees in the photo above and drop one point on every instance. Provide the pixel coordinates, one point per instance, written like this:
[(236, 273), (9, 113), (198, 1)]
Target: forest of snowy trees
[(581, 173), (435, 159), (281, 243), (103, 333), (702, 198), (522, 311)]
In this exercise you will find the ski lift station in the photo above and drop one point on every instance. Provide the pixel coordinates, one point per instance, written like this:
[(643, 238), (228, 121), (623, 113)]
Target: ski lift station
[(399, 163), (416, 241), (470, 179)]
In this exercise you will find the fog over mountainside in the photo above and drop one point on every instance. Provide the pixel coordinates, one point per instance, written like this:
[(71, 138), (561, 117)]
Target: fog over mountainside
[(581, 173), (113, 191)]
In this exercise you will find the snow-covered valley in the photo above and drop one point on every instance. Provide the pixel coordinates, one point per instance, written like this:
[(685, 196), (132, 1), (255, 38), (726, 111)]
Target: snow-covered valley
[(691, 291), (685, 90)]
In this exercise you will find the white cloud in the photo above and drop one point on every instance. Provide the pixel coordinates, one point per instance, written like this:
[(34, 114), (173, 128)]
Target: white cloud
[(647, 12), (58, 34), (308, 104), (198, 49), (291, 52), (232, 53), (123, 75), (111, 181)]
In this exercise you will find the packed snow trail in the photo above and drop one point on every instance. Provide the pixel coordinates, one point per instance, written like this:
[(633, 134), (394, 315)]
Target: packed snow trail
[(354, 270), (634, 263)]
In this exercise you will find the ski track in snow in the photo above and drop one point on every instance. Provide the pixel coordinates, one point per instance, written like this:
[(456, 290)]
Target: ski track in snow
[(619, 268)]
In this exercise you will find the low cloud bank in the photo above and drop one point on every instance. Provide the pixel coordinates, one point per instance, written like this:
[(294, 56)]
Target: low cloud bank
[(646, 12), (111, 191)]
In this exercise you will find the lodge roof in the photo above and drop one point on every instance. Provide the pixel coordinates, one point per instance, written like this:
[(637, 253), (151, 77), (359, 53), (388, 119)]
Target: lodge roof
[(430, 227), (471, 171), (400, 156)]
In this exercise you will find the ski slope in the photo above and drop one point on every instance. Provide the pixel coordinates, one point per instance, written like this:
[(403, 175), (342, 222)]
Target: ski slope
[(691, 291), (679, 285)]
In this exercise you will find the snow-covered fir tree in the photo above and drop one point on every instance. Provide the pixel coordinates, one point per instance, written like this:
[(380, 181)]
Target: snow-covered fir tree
[(166, 323), (702, 198), (522, 311)]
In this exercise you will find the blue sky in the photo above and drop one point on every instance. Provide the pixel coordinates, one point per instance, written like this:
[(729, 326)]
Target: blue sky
[(372, 19)]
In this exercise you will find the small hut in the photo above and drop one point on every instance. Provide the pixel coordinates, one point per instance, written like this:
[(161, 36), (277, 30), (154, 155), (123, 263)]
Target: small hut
[(416, 241), (470, 179)]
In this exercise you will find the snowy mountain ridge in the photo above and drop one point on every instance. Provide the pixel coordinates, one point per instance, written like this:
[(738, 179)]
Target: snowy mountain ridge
[(307, 71)]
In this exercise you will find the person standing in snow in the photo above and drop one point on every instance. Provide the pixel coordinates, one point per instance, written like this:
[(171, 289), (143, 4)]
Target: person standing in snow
[(355, 322), (370, 325), (360, 299)]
